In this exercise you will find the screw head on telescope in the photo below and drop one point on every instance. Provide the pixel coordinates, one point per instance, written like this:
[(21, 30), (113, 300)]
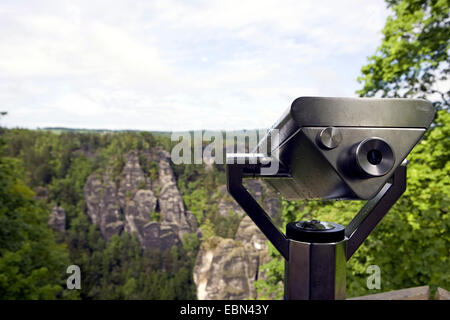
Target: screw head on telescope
[(330, 138), (315, 231)]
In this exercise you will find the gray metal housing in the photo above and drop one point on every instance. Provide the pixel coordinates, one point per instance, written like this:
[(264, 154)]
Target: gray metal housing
[(332, 169)]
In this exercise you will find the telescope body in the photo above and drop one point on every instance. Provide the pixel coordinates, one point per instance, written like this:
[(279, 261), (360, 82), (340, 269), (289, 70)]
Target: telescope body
[(344, 148), (330, 148)]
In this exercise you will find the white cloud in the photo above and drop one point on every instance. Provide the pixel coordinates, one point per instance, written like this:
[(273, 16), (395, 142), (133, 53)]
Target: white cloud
[(176, 65)]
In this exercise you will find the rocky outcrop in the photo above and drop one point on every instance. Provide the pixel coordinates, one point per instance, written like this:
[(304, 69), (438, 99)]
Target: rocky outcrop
[(227, 206), (134, 205), (58, 219), (250, 235), (161, 236), (132, 178), (103, 208), (265, 195), (138, 212), (225, 271), (255, 187), (170, 200), (228, 268)]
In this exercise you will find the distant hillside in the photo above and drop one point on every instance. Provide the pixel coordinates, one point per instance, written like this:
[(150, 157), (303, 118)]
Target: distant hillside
[(161, 134), (81, 130)]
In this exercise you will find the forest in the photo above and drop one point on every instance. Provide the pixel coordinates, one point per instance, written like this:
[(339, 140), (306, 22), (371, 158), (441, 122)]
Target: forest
[(40, 169)]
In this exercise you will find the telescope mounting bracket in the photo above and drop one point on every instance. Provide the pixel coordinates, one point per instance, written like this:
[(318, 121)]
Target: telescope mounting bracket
[(356, 231)]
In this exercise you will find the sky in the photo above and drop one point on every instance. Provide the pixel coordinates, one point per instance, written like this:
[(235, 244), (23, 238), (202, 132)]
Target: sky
[(177, 65)]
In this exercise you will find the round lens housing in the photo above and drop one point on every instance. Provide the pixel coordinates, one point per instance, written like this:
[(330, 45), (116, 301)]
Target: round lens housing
[(375, 157)]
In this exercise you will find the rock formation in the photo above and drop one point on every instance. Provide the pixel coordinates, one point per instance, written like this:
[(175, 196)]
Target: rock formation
[(228, 268), (170, 200), (100, 194), (58, 219), (151, 206), (259, 191), (132, 178), (227, 205), (134, 205)]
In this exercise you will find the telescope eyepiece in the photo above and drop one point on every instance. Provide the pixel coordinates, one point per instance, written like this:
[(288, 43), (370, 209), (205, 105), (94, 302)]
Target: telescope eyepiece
[(374, 157)]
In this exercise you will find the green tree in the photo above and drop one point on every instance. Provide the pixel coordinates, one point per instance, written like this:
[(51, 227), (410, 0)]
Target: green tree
[(207, 229), (32, 264), (413, 58)]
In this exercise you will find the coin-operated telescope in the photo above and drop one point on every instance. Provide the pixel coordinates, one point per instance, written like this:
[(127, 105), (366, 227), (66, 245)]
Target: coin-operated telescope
[(330, 148)]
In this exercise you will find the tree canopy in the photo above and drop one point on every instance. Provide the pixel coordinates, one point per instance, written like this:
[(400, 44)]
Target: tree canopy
[(32, 264), (413, 58)]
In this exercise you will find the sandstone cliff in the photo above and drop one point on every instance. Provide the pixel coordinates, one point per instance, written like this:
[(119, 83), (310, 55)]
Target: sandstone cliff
[(151, 209), (228, 268), (259, 191)]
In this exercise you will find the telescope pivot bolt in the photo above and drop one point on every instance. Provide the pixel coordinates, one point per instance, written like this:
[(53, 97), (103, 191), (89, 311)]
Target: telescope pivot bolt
[(315, 231), (330, 138)]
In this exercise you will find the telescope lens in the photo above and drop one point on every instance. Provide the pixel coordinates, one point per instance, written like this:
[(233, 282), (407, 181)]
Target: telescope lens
[(374, 157)]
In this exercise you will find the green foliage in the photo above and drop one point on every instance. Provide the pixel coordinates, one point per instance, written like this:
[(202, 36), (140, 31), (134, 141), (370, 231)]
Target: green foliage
[(155, 216), (197, 202), (32, 264), (142, 185), (119, 269), (226, 226), (191, 244), (117, 162), (69, 189), (413, 55), (207, 229), (150, 167), (199, 189), (271, 286)]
